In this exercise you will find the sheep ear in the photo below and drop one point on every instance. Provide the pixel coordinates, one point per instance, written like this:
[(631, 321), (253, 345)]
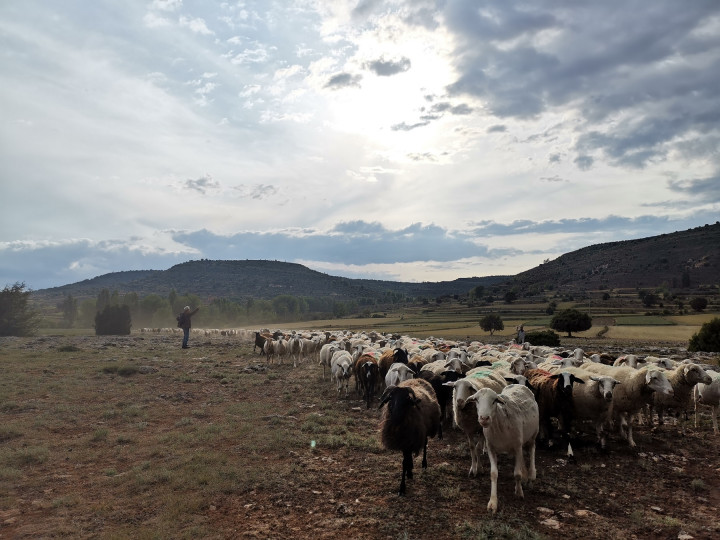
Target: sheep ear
[(450, 384), (576, 379), (500, 400), (556, 376), (386, 395), (594, 378)]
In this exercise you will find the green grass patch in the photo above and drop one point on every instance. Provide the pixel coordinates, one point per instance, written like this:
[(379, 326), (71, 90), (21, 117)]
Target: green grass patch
[(642, 320)]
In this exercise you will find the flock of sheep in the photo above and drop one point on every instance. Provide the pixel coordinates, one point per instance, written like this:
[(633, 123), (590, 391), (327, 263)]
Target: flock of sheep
[(504, 398)]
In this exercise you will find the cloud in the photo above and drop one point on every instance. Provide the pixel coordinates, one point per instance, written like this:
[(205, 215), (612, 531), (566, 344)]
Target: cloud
[(196, 26), (584, 163), (497, 128), (202, 184), (343, 80), (403, 126), (707, 189), (387, 68)]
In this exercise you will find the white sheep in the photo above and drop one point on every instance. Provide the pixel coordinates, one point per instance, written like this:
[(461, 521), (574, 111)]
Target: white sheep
[(682, 379), (326, 354), (593, 399), (341, 370), (709, 396), (510, 422), (397, 373), (465, 413), (634, 392)]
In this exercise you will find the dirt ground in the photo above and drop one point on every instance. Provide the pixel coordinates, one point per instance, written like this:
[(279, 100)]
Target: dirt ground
[(311, 462)]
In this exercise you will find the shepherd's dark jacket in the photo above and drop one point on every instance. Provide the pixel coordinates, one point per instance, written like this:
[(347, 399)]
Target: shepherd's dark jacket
[(184, 319)]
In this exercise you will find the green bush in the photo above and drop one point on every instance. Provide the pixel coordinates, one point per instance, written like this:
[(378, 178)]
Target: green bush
[(708, 338), (571, 320), (17, 318), (544, 337), (113, 321)]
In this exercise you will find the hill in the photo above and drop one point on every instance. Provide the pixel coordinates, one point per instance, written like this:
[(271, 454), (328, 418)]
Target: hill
[(236, 280), (684, 259)]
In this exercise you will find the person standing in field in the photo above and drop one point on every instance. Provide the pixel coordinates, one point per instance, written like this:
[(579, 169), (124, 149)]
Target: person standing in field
[(521, 335), (184, 322)]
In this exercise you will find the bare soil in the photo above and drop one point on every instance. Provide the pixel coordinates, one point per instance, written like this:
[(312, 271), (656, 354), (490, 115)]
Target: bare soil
[(306, 463)]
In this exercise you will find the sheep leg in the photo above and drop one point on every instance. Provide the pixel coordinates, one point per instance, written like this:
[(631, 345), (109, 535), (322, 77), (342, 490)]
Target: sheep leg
[(424, 461), (493, 502), (519, 471), (532, 475), (406, 469), (474, 461)]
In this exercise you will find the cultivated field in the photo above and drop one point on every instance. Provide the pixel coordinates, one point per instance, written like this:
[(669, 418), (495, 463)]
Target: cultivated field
[(132, 437)]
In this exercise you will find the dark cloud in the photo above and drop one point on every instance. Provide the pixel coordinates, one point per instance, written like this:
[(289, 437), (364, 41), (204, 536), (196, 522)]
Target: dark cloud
[(656, 64), (408, 127), (705, 189), (584, 163), (202, 184), (497, 128), (343, 80), (554, 158), (354, 242), (386, 68)]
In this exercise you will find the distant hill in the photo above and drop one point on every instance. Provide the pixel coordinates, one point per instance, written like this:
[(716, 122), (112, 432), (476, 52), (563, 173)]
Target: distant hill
[(236, 280), (685, 259)]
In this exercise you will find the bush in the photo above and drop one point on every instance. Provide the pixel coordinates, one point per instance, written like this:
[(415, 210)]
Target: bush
[(113, 321), (699, 303), (571, 320), (544, 337), (492, 322), (708, 338), (16, 317)]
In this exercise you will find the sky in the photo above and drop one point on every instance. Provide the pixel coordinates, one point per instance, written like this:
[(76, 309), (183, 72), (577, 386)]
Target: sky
[(407, 140)]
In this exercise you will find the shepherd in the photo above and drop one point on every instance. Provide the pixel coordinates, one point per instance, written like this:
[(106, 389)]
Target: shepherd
[(184, 322)]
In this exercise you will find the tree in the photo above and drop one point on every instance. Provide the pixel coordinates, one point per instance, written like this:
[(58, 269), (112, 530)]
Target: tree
[(491, 322), (510, 297), (699, 303), (544, 337), (708, 338), (16, 317), (650, 299), (113, 321), (571, 320), (103, 299), (69, 309)]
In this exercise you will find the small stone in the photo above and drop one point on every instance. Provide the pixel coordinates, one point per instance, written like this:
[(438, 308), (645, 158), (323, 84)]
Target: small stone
[(552, 523), (684, 536), (585, 513), (566, 496), (656, 509), (544, 510)]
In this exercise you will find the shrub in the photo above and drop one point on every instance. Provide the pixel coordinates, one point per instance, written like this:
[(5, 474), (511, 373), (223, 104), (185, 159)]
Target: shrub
[(16, 317), (708, 338), (571, 320), (492, 322), (113, 321), (699, 303), (544, 337)]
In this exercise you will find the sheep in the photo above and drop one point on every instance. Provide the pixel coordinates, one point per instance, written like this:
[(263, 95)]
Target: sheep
[(630, 360), (465, 414), (326, 354), (554, 395), (294, 348), (259, 342), (708, 395), (341, 369), (593, 399), (682, 379), (269, 350), (411, 416), (366, 375), (510, 422), (635, 391), (397, 373), (390, 357)]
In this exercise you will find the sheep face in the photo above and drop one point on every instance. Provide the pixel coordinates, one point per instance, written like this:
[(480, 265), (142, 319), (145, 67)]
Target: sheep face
[(486, 400), (565, 382), (694, 374), (399, 399), (657, 381), (605, 386)]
